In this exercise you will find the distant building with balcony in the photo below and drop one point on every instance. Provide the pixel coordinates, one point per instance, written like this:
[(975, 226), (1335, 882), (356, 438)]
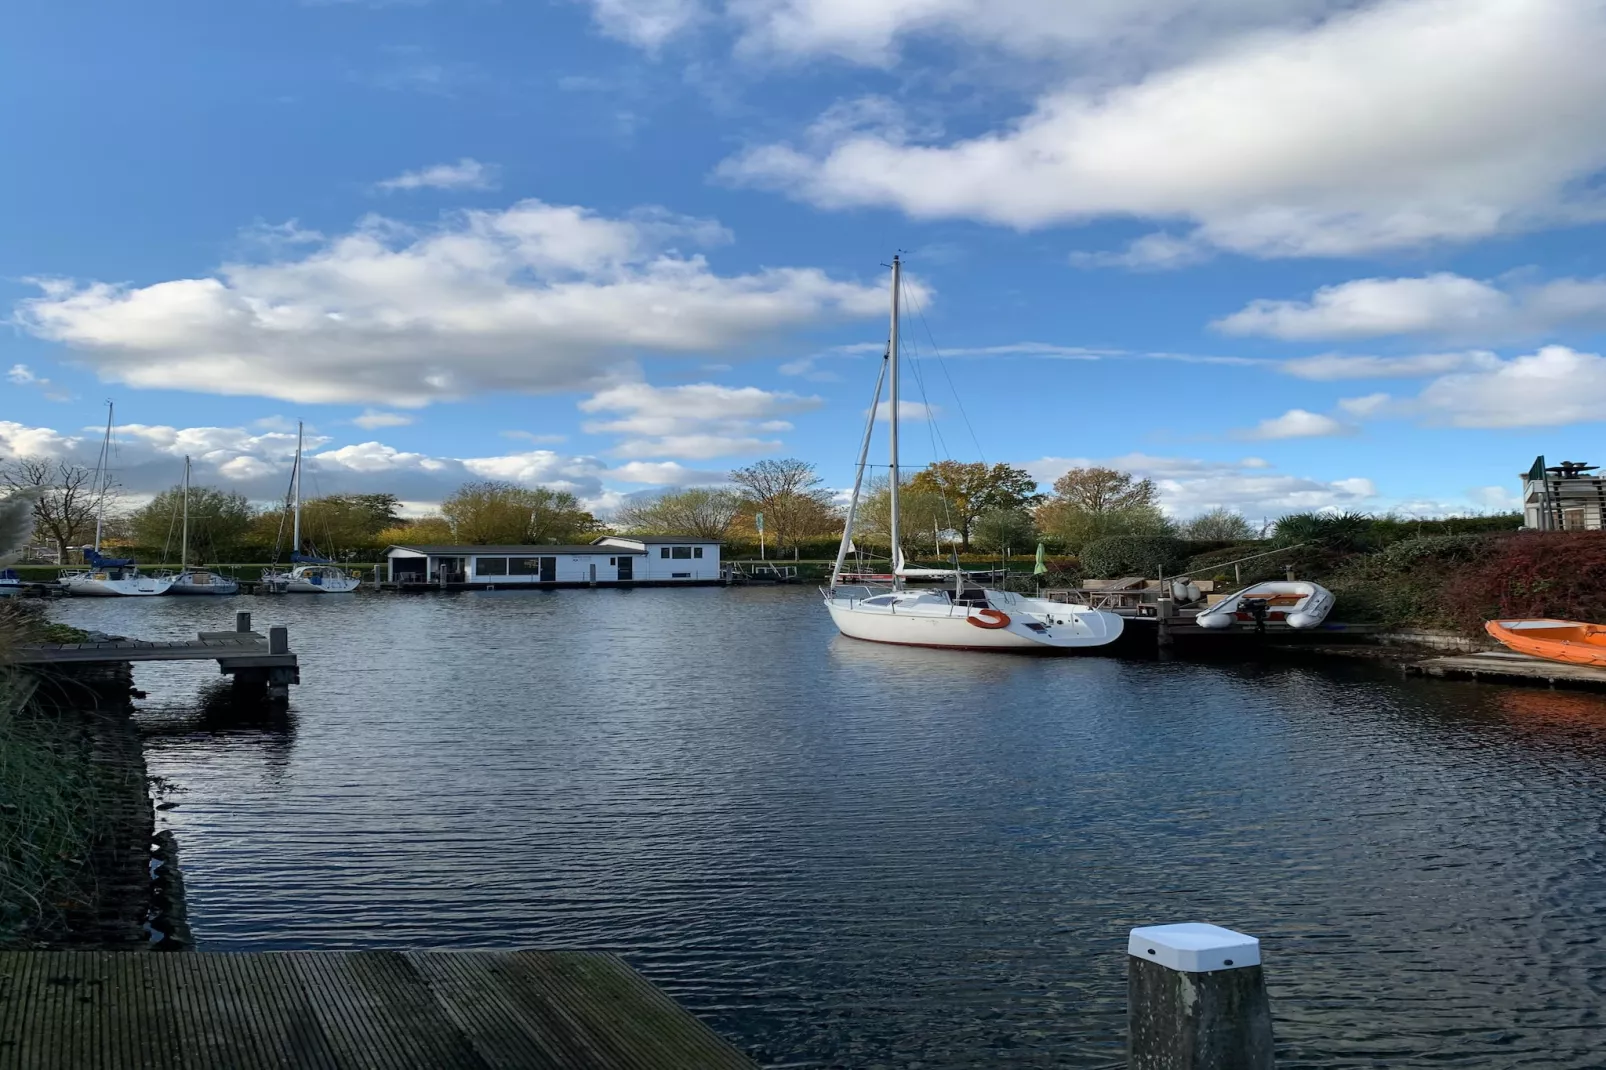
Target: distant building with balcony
[(1569, 496)]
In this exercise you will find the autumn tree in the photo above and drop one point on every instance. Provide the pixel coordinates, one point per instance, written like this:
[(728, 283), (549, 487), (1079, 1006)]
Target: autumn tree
[(922, 514), (787, 492), (219, 522), (706, 512), (494, 512), (1004, 529), (67, 497), (1219, 525), (973, 489), (424, 531), (1095, 503)]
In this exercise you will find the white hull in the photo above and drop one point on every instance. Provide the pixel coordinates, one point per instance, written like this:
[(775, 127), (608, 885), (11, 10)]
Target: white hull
[(203, 583), (100, 585), (930, 619), (1297, 603), (311, 579)]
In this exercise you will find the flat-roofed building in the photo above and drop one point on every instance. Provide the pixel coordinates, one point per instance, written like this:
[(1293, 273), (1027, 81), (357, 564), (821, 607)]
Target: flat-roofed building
[(1570, 496), (610, 560)]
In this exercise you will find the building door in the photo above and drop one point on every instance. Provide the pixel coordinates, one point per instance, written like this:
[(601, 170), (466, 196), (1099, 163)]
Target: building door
[(549, 569), (627, 568)]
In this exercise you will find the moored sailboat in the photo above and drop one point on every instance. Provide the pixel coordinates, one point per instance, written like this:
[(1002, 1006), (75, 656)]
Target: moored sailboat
[(964, 616), (308, 572), (197, 581), (109, 577)]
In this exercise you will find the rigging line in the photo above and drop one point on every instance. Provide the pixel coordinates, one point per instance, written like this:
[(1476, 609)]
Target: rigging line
[(919, 311), (935, 435)]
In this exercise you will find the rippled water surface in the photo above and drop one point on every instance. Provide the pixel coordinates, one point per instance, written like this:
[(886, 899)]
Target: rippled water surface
[(844, 854)]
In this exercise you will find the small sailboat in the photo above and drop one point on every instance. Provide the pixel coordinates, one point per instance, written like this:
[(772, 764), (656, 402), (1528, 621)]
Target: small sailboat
[(109, 577), (10, 582), (1295, 603), (309, 573), (965, 616), (196, 580), (1570, 641)]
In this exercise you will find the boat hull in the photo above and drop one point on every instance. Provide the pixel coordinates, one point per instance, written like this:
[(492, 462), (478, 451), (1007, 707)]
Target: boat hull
[(1067, 628), (209, 584), (142, 587), (1568, 641)]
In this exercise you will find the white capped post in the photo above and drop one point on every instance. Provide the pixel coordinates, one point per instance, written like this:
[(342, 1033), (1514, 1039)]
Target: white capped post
[(1196, 1000)]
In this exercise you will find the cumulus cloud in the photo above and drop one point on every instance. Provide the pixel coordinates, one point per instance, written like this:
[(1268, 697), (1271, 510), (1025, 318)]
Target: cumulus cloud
[(1443, 304), (645, 23), (1389, 125), (466, 174), (536, 297), (1189, 486), (908, 411), (697, 421), (1298, 423), (1332, 367), (1549, 388), (372, 419)]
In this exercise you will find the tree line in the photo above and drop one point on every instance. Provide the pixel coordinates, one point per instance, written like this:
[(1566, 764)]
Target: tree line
[(971, 507)]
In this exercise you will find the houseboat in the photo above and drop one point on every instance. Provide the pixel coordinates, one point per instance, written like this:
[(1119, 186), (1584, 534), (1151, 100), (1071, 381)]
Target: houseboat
[(608, 561)]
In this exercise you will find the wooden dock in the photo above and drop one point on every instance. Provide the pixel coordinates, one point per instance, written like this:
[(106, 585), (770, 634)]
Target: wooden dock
[(251, 658), (1506, 666), (362, 1010)]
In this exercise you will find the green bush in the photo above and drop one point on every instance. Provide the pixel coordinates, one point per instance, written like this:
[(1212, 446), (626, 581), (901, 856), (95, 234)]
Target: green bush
[(1134, 555), (1408, 552)]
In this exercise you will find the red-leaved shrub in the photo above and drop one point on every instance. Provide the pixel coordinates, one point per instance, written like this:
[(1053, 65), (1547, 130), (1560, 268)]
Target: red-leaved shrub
[(1532, 574)]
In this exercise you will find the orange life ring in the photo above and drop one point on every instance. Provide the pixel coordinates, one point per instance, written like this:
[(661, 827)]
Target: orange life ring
[(989, 618)]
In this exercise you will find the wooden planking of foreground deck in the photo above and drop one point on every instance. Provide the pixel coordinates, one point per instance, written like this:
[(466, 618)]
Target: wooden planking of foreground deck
[(373, 1010)]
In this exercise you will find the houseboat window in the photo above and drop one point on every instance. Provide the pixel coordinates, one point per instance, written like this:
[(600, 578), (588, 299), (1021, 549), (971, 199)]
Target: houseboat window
[(680, 575), (612, 561), (664, 552), (697, 551), (682, 552), (490, 566), (524, 566)]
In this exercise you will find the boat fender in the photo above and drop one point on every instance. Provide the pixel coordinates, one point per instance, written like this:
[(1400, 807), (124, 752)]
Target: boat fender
[(989, 618)]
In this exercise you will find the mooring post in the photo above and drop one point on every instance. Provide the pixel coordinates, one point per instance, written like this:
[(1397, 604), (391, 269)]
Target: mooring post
[(1163, 608), (1290, 573), (1196, 1000), (242, 622), (278, 639)]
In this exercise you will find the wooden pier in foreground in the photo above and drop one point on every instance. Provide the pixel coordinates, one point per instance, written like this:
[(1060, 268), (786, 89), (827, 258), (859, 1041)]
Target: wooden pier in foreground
[(1506, 666), (251, 658), (373, 1010)]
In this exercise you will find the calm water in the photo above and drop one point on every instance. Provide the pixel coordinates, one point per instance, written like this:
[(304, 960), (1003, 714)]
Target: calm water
[(843, 854)]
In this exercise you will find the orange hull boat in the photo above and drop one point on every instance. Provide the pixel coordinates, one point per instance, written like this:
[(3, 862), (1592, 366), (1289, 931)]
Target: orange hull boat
[(1553, 640)]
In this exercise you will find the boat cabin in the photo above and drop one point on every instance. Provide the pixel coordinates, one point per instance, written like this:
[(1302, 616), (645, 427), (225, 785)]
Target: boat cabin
[(607, 561)]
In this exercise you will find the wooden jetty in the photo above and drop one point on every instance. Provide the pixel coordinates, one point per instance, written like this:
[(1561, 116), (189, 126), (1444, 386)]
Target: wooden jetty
[(364, 1010), (1506, 666), (251, 658)]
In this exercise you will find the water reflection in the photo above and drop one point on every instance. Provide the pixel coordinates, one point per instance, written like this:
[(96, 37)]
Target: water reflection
[(846, 854)]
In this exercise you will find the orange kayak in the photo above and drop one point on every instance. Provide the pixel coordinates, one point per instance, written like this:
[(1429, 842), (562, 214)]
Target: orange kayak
[(1553, 640)]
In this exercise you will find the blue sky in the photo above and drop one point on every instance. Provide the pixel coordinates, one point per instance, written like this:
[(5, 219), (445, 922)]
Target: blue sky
[(1277, 254)]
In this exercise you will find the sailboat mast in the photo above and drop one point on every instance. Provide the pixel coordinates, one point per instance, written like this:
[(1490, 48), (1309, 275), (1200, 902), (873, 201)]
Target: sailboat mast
[(184, 534), (892, 400), (295, 543), (858, 478), (104, 470)]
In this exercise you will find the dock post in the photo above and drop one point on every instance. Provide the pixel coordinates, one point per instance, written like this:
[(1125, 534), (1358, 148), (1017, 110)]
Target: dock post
[(1290, 573), (242, 622), (1162, 611), (278, 639), (1196, 1000)]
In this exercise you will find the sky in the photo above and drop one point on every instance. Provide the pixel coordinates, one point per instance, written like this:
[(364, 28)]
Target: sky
[(1276, 255)]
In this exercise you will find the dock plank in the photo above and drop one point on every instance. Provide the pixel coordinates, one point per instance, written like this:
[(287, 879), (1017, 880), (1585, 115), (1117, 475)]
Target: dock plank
[(1510, 667), (364, 1010)]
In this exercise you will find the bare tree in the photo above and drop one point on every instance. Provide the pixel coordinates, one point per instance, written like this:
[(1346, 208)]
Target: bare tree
[(68, 498), (785, 491), (705, 512)]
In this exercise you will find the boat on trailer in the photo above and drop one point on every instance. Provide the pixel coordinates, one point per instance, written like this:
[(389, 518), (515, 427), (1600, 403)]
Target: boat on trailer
[(1296, 603), (1568, 641), (963, 616)]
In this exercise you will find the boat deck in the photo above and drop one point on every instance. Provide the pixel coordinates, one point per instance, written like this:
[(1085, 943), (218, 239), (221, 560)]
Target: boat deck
[(373, 1010)]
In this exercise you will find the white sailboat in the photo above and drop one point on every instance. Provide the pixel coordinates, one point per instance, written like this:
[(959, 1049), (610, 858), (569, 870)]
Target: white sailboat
[(309, 573), (196, 580), (109, 577), (961, 617)]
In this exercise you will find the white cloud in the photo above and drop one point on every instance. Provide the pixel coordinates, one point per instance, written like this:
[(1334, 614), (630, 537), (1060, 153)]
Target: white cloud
[(1332, 367), (1189, 486), (908, 411), (698, 420), (1152, 252), (665, 474), (536, 297), (1391, 125), (539, 439), (645, 23), (1298, 423), (464, 174), (1552, 387), (1362, 407), (1443, 304), (22, 375), (371, 419)]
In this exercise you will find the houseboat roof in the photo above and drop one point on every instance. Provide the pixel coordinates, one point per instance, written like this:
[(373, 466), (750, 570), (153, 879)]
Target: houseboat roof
[(509, 551), (657, 540)]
